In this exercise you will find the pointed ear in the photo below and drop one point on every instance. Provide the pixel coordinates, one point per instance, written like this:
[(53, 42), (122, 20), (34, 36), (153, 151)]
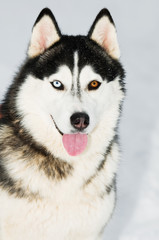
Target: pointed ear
[(103, 32), (45, 33)]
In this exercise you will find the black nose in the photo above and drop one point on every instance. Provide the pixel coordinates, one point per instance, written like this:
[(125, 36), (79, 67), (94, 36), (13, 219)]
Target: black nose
[(80, 120)]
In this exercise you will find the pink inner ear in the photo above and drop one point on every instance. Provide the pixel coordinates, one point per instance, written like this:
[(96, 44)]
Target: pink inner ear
[(107, 37), (106, 44), (45, 33), (42, 41), (43, 37)]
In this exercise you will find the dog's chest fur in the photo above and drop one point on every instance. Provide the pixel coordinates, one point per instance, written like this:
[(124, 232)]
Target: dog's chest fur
[(43, 219)]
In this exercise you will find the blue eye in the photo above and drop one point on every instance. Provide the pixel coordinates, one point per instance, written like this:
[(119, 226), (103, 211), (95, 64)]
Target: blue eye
[(58, 85)]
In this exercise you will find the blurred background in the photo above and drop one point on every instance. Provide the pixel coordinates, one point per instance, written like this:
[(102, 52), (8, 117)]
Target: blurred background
[(137, 212)]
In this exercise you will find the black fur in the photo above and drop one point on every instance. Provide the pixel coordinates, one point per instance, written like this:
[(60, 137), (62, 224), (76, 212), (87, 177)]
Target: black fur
[(62, 52)]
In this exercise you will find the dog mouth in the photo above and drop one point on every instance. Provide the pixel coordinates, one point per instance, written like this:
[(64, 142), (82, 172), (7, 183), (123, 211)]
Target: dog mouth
[(74, 143), (56, 126)]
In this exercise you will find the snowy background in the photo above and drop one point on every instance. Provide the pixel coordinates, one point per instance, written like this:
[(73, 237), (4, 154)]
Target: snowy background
[(137, 211)]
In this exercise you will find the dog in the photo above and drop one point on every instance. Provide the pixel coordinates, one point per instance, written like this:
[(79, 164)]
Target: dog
[(59, 148)]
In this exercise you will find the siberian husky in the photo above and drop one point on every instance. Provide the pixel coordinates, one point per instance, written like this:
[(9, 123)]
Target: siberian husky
[(58, 134)]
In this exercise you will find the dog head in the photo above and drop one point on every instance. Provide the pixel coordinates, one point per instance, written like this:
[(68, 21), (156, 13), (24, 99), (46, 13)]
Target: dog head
[(71, 87)]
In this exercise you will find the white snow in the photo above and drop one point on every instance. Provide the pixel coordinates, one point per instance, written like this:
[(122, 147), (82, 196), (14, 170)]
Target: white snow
[(137, 211)]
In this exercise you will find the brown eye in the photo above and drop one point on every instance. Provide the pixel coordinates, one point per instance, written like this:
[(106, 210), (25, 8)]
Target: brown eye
[(93, 85)]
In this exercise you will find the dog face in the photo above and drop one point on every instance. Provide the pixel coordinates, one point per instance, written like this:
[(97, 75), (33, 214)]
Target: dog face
[(69, 84)]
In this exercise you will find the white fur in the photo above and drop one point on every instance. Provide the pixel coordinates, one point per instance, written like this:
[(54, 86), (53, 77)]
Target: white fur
[(75, 72), (52, 220), (105, 35)]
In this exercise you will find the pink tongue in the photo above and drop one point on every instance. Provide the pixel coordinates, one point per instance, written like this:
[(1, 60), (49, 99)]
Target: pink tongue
[(74, 143)]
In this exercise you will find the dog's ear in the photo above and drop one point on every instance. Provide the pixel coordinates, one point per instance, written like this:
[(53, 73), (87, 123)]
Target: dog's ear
[(103, 32), (44, 34)]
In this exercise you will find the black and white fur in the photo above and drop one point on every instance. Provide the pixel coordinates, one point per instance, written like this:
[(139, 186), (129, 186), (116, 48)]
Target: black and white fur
[(46, 194)]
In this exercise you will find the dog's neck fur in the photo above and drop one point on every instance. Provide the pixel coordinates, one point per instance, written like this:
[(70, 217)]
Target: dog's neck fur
[(39, 165)]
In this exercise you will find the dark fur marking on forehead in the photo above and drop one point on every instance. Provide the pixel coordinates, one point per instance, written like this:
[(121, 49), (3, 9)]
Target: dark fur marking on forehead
[(78, 88), (62, 53), (73, 89)]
